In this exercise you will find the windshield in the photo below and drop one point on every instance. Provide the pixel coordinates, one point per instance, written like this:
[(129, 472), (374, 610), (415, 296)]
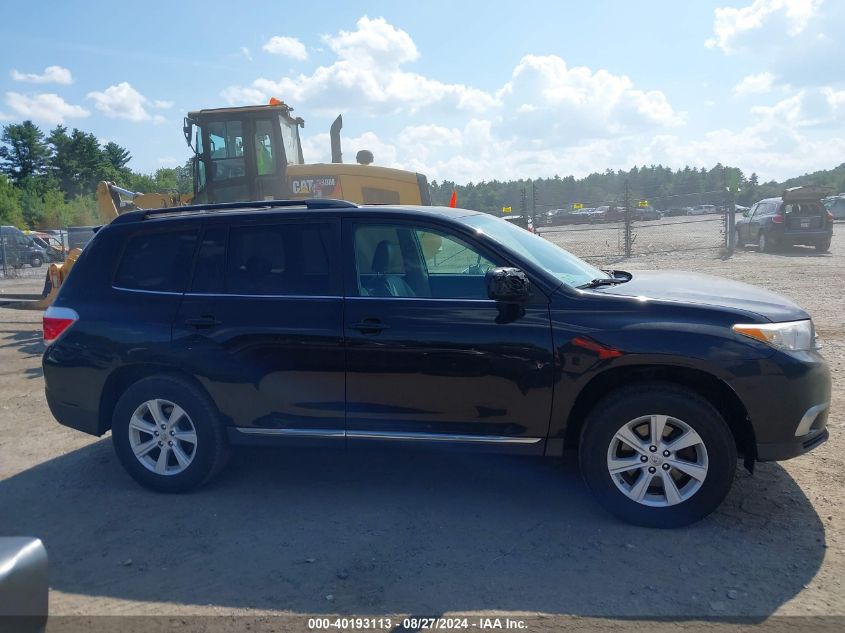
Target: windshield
[(540, 252)]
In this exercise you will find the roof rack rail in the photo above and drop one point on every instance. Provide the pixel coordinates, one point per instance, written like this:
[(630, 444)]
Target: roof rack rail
[(310, 203)]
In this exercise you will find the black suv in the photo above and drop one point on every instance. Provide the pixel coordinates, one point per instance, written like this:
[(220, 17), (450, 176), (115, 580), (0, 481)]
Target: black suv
[(190, 330), (797, 217)]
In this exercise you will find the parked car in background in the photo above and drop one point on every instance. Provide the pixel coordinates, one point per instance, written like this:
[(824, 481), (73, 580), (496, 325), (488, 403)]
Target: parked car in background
[(836, 207), (609, 213), (187, 331), (522, 221), (797, 217), (672, 212), (552, 217), (581, 216), (18, 249), (646, 213), (53, 249), (702, 209)]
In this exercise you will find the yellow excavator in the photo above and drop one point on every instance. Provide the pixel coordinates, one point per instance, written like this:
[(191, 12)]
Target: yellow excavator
[(255, 153)]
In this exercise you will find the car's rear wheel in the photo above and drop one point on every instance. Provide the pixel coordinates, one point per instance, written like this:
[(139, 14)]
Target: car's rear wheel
[(168, 434), (765, 244), (657, 455), (823, 245)]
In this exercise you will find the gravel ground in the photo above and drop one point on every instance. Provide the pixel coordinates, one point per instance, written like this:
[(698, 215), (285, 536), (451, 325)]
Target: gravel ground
[(319, 532)]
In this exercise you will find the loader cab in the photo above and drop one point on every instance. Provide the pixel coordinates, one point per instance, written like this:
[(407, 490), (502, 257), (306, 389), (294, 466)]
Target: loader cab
[(243, 153)]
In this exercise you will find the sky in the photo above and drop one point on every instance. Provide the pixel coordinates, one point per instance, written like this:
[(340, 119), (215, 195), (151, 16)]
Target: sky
[(464, 91)]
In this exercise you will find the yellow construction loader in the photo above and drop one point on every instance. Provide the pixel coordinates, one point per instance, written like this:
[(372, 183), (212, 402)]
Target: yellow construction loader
[(255, 153)]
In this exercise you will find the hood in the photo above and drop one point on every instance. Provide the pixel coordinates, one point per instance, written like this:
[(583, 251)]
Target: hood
[(708, 290)]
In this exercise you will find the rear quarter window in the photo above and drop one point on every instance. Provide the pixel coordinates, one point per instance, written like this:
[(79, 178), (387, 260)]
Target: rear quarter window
[(156, 262)]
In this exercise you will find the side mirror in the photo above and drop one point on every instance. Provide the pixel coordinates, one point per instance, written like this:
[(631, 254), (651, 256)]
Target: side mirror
[(745, 214), (507, 284)]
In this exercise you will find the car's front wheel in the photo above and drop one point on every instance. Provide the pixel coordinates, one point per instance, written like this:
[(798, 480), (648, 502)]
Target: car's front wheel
[(168, 434), (657, 455), (738, 243), (35, 261)]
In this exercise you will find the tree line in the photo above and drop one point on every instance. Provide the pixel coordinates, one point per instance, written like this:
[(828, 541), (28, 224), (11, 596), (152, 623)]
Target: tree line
[(660, 186), (49, 180)]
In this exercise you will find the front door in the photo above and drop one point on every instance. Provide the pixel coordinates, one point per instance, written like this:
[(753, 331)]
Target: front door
[(429, 356), (262, 324)]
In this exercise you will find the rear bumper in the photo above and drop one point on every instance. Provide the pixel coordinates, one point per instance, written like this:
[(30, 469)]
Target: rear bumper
[(72, 415), (804, 237)]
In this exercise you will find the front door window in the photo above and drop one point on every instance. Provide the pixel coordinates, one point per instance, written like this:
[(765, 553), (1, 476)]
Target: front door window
[(408, 261)]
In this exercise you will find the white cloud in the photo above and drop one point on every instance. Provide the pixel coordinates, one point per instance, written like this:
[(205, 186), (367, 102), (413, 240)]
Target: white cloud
[(284, 45), (733, 26), (51, 75), (122, 101), (45, 107), (375, 43), (799, 41), (548, 100), (545, 117), (755, 84), (161, 104), (246, 53), (366, 76)]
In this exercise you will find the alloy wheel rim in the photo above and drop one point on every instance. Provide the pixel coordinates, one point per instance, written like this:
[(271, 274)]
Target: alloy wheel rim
[(162, 437), (657, 460), (762, 241)]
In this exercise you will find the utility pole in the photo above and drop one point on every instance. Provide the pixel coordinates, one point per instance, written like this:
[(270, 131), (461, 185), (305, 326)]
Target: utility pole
[(533, 204), (524, 203)]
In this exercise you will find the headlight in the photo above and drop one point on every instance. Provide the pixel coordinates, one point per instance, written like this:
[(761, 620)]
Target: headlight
[(795, 336)]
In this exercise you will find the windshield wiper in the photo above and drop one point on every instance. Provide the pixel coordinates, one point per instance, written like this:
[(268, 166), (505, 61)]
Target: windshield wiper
[(609, 281)]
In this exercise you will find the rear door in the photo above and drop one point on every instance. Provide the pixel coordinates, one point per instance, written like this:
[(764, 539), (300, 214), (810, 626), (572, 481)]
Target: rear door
[(429, 356), (262, 324), (804, 216)]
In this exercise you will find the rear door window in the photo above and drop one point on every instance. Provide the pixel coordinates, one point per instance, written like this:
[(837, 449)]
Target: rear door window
[(157, 262), (290, 258)]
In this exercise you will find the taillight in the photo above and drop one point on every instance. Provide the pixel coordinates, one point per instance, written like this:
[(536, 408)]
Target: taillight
[(777, 219), (56, 322), (829, 217)]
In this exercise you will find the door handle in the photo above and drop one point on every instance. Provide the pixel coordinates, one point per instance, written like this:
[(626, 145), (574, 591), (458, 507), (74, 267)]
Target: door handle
[(202, 322), (370, 326)]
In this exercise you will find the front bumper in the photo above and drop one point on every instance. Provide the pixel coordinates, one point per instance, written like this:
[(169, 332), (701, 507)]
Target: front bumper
[(810, 432), (787, 398), (787, 450)]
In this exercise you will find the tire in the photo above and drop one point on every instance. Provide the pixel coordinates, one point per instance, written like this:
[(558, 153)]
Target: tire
[(823, 245), (765, 244), (697, 497), (35, 261), (206, 456), (738, 243)]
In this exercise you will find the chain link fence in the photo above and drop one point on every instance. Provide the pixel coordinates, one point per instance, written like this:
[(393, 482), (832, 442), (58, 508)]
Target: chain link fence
[(608, 231)]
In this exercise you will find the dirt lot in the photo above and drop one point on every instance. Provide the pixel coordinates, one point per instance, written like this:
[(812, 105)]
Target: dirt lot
[(326, 532)]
